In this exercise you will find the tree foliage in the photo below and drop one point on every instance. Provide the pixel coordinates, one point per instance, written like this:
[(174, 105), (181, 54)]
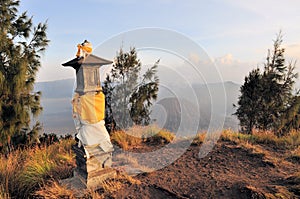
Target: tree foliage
[(129, 95), (20, 46), (267, 96), (290, 119), (248, 103)]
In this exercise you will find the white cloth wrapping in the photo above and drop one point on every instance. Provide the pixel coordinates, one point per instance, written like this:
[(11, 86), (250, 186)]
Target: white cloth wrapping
[(93, 134)]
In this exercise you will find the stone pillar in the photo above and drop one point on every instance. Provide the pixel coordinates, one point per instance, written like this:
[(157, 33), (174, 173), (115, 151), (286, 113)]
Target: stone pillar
[(94, 156), (94, 169)]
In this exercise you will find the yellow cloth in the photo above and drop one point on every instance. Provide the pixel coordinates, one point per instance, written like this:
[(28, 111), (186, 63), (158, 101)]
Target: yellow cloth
[(90, 106), (84, 49)]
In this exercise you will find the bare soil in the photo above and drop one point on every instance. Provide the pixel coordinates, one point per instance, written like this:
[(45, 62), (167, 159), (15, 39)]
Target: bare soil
[(228, 171)]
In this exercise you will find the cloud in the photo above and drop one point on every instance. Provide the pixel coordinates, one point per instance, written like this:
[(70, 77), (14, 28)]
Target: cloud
[(226, 60), (232, 69), (194, 58)]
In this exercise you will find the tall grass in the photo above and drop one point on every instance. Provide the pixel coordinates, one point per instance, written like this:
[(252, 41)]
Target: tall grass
[(34, 172), (3, 193), (24, 171), (289, 141), (114, 184), (54, 190)]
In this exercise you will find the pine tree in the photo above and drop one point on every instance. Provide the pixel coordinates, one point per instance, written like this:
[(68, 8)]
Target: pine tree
[(266, 96), (20, 46), (278, 82), (249, 101), (143, 96), (291, 118), (129, 95)]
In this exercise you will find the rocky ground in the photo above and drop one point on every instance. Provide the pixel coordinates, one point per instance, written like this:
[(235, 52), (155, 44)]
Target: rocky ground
[(230, 170)]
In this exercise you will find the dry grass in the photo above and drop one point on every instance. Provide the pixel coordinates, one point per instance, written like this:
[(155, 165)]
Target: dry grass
[(281, 192), (125, 141), (267, 156), (290, 141), (10, 169), (199, 138), (24, 171), (35, 171), (114, 184), (136, 136), (3, 193), (295, 155), (289, 146), (162, 137), (54, 191), (294, 180), (92, 194), (143, 132)]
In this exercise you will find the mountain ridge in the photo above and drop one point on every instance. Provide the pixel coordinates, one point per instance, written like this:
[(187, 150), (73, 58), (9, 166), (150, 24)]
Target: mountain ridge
[(57, 95)]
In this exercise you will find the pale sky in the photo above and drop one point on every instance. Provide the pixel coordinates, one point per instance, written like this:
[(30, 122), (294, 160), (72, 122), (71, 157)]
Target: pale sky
[(235, 34)]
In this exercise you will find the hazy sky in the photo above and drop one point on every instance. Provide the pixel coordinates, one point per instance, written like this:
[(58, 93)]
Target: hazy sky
[(235, 34)]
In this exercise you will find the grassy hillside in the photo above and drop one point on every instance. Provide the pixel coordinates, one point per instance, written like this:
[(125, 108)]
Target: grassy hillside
[(240, 166)]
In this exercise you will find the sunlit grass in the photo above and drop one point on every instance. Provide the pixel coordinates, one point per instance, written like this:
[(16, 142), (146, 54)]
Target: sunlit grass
[(3, 193), (125, 141), (294, 155), (199, 138), (136, 136), (143, 132), (36, 168), (114, 184), (290, 141), (55, 190), (163, 136), (24, 171), (34, 172)]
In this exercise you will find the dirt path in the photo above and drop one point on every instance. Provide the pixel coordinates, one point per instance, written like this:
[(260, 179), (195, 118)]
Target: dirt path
[(229, 171)]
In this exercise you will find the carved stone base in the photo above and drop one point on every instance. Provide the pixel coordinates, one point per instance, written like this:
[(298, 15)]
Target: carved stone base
[(94, 170)]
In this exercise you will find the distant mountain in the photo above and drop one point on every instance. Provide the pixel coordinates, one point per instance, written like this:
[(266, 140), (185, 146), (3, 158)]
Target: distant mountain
[(56, 89), (57, 114), (230, 89), (212, 109)]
